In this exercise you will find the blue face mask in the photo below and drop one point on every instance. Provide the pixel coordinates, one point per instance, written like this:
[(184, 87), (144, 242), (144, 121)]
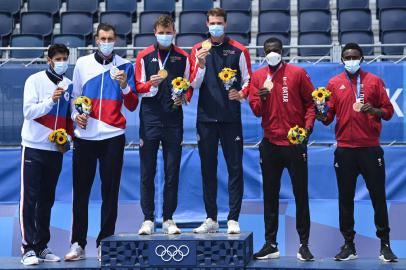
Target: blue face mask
[(60, 67), (216, 30), (352, 66), (106, 48), (164, 40)]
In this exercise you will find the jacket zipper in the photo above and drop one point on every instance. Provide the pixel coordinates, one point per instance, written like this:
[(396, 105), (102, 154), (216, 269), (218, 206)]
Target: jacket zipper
[(101, 92)]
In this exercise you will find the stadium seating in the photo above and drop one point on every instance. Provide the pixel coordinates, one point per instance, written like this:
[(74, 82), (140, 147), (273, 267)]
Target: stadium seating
[(121, 41), (274, 21), (351, 4), (143, 40), (37, 23), (315, 21), (71, 41), (197, 5), (123, 5), (236, 5), (160, 5), (239, 22), (188, 40), (192, 22), (12, 7), (313, 5), (392, 19), (354, 20), (393, 37), (314, 38), (77, 23), (90, 6), (6, 28), (147, 20), (26, 40), (360, 37), (241, 38), (274, 5), (284, 37), (383, 4), (51, 6), (122, 22)]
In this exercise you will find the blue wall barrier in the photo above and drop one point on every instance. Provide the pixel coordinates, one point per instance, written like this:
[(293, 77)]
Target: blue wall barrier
[(13, 76)]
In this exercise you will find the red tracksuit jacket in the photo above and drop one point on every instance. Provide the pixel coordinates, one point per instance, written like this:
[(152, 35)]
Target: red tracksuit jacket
[(357, 129), (290, 102)]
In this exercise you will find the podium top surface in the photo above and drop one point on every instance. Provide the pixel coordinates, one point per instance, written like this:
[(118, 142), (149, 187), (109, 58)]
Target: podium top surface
[(180, 237)]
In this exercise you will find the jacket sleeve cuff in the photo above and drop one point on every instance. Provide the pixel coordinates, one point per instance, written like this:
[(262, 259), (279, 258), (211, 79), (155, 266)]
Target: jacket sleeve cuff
[(126, 90)]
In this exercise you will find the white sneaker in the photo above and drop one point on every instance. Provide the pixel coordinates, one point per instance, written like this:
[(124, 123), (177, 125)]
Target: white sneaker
[(233, 227), (76, 253), (46, 255), (169, 227), (208, 226), (147, 228), (30, 258)]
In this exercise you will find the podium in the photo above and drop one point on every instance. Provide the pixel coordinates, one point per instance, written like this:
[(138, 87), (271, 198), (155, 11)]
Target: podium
[(186, 251)]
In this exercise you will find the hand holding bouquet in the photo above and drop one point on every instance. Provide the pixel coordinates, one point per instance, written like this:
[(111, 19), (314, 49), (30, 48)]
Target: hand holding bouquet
[(320, 97), (297, 135), (179, 87), (83, 105), (60, 138), (227, 76)]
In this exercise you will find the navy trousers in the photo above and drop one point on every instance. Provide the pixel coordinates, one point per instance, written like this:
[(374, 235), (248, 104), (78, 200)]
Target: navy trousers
[(86, 153), (150, 138), (40, 171), (230, 137)]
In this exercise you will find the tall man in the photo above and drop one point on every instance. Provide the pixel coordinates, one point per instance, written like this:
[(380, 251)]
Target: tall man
[(280, 93), (46, 107), (161, 119), (359, 101), (219, 116), (108, 80)]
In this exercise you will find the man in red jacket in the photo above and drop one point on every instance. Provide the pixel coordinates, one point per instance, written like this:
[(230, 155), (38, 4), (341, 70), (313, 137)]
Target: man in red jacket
[(359, 100), (280, 93)]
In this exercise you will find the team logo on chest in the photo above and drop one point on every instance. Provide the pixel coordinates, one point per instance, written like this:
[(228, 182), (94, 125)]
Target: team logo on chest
[(66, 96), (228, 52)]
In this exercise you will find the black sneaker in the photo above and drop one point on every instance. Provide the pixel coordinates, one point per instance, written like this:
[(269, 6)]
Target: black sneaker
[(387, 254), (268, 251), (304, 253), (347, 252)]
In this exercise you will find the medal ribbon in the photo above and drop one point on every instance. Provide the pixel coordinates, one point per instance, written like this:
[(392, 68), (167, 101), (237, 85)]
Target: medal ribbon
[(162, 65), (359, 96)]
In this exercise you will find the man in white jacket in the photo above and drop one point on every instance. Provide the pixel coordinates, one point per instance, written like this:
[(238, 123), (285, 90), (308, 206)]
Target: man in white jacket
[(108, 80), (46, 108)]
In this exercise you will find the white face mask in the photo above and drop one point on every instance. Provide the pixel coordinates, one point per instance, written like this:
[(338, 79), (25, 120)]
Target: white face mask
[(352, 66), (273, 58), (60, 67), (106, 48)]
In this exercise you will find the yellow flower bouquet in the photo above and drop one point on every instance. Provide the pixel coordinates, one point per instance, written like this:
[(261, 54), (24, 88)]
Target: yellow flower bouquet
[(83, 105), (179, 87), (60, 138), (320, 97), (297, 135), (227, 76)]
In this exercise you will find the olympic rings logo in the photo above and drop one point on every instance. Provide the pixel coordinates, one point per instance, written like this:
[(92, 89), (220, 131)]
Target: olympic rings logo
[(172, 252)]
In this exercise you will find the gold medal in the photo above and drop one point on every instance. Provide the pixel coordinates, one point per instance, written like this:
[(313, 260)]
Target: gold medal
[(268, 84), (206, 45), (163, 73), (357, 106)]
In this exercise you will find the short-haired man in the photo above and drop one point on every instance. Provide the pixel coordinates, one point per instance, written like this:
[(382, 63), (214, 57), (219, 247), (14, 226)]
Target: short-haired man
[(219, 116), (360, 102), (46, 108), (108, 80), (281, 94), (161, 121)]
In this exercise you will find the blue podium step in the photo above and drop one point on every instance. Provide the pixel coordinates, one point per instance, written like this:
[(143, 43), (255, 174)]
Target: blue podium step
[(185, 251)]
